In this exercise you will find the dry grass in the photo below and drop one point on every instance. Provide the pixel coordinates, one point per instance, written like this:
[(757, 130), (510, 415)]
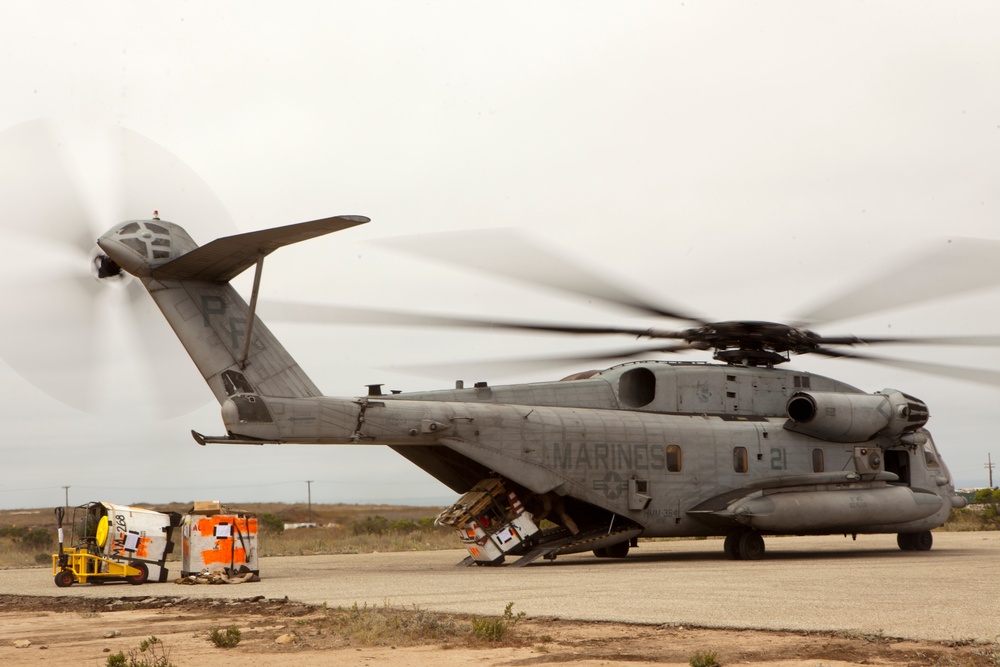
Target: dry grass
[(386, 625), (13, 555), (343, 540), (407, 530), (373, 626), (967, 519)]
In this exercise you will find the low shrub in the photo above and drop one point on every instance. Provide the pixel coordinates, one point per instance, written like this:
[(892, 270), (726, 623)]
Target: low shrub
[(379, 525), (706, 659), (496, 629), (385, 625), (227, 638), (989, 499), (150, 653), (271, 523), (28, 538)]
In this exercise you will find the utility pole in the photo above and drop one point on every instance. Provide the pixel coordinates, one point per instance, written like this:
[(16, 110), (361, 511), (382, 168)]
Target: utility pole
[(66, 489), (989, 466), (310, 495)]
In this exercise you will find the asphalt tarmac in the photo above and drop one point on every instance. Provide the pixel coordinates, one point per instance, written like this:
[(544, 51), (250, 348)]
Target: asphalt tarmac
[(829, 583)]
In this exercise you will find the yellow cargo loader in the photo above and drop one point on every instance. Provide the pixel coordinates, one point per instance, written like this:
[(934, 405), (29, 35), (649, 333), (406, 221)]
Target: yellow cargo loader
[(113, 543), (77, 565)]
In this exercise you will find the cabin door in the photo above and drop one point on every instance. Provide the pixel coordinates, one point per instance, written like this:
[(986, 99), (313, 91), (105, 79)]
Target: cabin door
[(898, 461)]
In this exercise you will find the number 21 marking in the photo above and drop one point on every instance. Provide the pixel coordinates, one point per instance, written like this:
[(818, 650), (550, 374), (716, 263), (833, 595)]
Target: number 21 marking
[(779, 460)]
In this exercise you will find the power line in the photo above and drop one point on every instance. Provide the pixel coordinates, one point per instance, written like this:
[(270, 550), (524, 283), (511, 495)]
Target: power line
[(36, 488)]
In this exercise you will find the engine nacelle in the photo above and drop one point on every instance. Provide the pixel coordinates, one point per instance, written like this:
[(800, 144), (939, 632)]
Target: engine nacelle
[(844, 417)]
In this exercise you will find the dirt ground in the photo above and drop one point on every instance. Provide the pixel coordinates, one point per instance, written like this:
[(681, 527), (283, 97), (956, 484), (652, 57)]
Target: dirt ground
[(74, 631)]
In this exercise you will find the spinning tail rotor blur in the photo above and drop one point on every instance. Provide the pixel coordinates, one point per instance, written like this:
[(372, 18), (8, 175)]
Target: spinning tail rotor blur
[(66, 329)]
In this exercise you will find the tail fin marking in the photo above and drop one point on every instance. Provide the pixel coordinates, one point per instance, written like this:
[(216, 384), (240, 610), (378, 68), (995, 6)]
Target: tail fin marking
[(211, 319)]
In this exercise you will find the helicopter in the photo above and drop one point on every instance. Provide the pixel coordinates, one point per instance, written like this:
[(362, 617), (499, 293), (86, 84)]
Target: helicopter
[(738, 447)]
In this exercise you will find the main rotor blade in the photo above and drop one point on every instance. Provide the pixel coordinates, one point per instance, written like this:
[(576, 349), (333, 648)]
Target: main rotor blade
[(507, 367), (975, 341), (322, 314), (956, 266), (507, 253), (979, 375)]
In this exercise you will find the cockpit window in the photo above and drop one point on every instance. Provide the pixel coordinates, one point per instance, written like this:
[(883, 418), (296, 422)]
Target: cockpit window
[(130, 228), (156, 229), (930, 456)]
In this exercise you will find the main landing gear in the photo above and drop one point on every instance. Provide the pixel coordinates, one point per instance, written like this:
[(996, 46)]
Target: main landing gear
[(922, 541), (744, 545), (749, 545), (619, 550)]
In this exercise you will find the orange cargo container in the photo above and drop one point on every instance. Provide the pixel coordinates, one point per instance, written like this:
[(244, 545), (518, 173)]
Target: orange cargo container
[(219, 542)]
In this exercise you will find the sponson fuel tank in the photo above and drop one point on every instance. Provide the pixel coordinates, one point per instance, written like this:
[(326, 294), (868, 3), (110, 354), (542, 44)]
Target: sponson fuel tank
[(827, 510)]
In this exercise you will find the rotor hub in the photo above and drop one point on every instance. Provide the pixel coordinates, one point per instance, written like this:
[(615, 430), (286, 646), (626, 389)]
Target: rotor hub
[(753, 343), (743, 357)]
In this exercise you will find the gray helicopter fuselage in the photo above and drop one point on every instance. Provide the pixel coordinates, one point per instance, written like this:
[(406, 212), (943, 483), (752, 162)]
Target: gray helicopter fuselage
[(665, 448), (675, 465), (689, 432)]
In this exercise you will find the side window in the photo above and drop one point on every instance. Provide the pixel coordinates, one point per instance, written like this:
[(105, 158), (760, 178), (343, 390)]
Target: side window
[(929, 457), (818, 465), (673, 458), (740, 459)]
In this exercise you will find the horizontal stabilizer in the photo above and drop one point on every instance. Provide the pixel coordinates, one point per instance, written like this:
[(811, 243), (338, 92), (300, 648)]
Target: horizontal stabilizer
[(225, 258), (228, 440)]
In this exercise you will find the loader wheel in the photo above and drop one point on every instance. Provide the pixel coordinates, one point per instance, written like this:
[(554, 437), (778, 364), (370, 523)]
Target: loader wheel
[(64, 579), (140, 578)]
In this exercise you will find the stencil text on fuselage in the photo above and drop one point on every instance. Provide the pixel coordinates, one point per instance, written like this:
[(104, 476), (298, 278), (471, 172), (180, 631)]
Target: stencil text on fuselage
[(606, 456)]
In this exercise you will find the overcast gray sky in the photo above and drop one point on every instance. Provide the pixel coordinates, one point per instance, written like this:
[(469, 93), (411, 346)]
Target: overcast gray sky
[(742, 159)]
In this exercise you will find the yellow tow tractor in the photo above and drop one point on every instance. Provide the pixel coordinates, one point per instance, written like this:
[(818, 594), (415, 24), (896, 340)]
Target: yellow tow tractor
[(113, 543)]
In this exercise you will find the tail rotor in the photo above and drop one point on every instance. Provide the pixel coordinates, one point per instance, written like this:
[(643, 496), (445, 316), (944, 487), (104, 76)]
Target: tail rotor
[(76, 326)]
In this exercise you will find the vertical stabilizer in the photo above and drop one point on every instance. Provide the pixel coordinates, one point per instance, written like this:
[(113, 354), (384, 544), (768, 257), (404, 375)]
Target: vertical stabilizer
[(233, 349)]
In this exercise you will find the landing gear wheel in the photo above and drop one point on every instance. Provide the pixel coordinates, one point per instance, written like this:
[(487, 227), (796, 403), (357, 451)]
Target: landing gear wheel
[(140, 578), (619, 550), (751, 546), (922, 541), (64, 578), (601, 553), (732, 546)]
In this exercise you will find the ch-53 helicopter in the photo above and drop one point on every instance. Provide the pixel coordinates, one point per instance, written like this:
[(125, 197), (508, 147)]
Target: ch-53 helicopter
[(740, 448)]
